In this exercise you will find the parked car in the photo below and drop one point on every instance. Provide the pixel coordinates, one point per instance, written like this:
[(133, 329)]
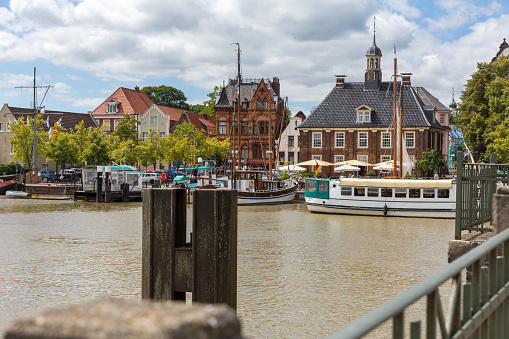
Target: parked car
[(47, 175), (150, 177)]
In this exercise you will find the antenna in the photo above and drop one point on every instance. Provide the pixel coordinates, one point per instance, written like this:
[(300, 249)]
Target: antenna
[(36, 109)]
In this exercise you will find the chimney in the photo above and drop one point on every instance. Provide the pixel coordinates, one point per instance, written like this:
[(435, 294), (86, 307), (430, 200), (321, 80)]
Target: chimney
[(205, 116), (275, 85), (137, 89), (340, 80), (405, 79)]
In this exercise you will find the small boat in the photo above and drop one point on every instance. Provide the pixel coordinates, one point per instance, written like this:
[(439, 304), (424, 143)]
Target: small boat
[(419, 198), (18, 194), (8, 185), (254, 189)]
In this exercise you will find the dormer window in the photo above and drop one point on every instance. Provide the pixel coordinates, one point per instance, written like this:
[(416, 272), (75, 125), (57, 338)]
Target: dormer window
[(364, 114), (112, 106)]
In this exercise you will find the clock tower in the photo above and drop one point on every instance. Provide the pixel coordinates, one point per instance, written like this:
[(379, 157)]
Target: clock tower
[(373, 75)]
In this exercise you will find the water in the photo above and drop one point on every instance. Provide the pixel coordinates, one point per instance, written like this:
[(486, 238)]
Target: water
[(300, 275)]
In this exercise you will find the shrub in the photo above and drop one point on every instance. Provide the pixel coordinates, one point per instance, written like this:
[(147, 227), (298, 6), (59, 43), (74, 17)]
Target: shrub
[(371, 174)]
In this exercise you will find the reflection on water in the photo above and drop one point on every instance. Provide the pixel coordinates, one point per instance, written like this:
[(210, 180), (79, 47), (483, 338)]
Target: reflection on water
[(300, 275)]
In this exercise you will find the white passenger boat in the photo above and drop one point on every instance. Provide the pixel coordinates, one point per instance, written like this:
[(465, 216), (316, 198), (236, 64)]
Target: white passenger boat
[(382, 197)]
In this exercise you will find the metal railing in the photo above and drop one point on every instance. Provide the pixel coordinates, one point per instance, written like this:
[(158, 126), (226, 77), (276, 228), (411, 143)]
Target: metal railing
[(476, 184), (477, 309)]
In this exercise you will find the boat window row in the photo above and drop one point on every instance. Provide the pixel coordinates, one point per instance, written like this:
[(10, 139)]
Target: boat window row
[(429, 193)]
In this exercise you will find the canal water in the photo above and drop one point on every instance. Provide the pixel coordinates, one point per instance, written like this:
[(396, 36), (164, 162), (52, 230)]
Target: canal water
[(300, 275)]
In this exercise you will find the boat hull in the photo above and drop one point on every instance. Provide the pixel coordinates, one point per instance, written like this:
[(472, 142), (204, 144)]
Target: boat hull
[(389, 211), (8, 186), (282, 196)]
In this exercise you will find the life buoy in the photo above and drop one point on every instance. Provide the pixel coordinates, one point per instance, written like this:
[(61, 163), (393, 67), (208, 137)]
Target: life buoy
[(250, 184)]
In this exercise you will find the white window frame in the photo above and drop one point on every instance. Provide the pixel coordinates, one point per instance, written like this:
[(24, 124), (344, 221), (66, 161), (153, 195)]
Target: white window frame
[(115, 123), (162, 134), (112, 106), (339, 158), (363, 116), (317, 139), (410, 142), (1, 126), (339, 140), (144, 136), (316, 157), (153, 120), (363, 158), (106, 122), (9, 128), (384, 158), (359, 139), (386, 141), (12, 150)]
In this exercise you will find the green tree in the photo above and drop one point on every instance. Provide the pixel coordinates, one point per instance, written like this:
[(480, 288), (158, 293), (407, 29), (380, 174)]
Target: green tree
[(167, 96), (484, 106), (125, 152), (208, 105), (177, 148), (430, 161), (23, 140), (62, 149), (127, 128), (97, 147)]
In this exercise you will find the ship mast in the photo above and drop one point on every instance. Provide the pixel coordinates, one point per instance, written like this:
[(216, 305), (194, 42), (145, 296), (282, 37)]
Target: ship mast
[(235, 153), (395, 170)]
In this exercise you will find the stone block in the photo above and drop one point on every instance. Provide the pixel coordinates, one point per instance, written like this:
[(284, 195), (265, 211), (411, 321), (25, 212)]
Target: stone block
[(119, 318), (500, 209)]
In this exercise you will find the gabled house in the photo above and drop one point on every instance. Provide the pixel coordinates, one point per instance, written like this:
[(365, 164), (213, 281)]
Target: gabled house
[(122, 101), (9, 114), (250, 115), (163, 120), (355, 120), (289, 142)]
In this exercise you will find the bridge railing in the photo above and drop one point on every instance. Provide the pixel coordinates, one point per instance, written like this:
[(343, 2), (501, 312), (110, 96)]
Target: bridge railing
[(476, 184), (478, 308)]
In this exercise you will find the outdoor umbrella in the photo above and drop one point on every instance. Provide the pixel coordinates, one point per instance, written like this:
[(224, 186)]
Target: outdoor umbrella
[(314, 163), (346, 168), (292, 168), (353, 163)]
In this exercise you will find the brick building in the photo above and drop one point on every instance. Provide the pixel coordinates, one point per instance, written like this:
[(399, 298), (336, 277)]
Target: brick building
[(353, 120), (261, 112)]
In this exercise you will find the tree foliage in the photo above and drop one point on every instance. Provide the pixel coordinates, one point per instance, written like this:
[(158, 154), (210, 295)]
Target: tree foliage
[(430, 161), (23, 140), (208, 105), (127, 128), (484, 108), (167, 96), (62, 149)]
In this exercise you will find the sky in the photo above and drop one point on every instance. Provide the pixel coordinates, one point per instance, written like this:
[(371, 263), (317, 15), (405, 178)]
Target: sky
[(86, 49)]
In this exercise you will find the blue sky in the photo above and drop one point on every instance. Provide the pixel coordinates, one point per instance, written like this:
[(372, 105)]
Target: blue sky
[(86, 49)]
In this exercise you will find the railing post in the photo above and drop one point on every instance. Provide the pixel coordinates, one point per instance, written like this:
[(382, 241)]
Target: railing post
[(459, 195)]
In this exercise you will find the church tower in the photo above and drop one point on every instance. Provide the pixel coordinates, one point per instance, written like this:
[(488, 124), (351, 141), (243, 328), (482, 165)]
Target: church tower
[(373, 75)]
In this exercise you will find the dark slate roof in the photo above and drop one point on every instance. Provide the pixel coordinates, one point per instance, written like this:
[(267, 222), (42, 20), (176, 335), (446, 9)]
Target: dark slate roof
[(248, 87), (374, 50), (338, 109), (69, 119), (223, 99), (428, 99)]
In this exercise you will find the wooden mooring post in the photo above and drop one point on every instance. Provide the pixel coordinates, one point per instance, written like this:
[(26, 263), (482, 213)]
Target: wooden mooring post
[(207, 266)]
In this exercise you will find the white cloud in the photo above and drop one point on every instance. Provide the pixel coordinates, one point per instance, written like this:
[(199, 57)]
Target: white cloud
[(302, 43)]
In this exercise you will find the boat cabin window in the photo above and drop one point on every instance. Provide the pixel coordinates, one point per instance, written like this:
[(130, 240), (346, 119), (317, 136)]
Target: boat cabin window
[(359, 191), (414, 193), (387, 192), (443, 193), (372, 191), (428, 193), (323, 187), (346, 190), (311, 185), (400, 192)]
